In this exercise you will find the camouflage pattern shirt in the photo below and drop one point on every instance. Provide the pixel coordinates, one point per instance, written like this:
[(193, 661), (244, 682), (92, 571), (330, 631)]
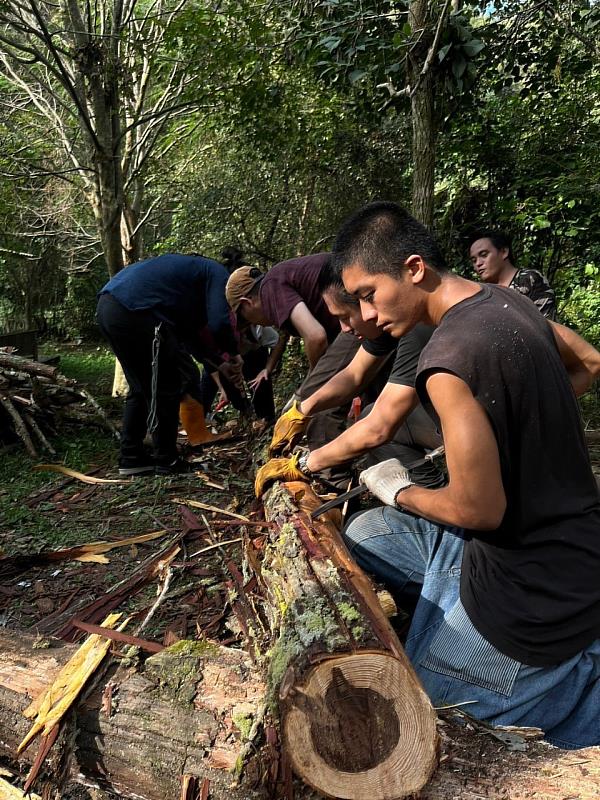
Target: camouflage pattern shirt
[(534, 285)]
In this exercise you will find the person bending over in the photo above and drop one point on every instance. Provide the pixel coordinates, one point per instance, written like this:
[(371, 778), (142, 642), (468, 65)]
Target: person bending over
[(155, 314), (394, 425)]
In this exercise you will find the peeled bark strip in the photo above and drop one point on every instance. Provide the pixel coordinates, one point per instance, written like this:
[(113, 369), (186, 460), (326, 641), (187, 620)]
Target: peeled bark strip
[(188, 712), (355, 720)]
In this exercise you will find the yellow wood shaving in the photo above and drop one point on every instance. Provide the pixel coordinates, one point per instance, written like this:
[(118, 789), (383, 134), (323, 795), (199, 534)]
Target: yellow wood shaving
[(94, 558), (10, 792), (205, 507), (80, 476), (52, 705), (94, 548)]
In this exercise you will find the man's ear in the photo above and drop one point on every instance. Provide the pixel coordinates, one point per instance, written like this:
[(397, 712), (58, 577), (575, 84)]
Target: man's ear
[(416, 268), (504, 253)]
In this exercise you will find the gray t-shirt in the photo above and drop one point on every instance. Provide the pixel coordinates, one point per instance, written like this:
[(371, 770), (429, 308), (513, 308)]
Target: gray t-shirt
[(408, 350)]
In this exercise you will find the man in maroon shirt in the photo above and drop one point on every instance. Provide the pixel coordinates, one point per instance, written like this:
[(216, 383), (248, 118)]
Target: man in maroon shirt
[(287, 297), (290, 297)]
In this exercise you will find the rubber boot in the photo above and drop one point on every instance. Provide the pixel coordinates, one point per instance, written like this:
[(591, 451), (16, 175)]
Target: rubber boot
[(191, 413)]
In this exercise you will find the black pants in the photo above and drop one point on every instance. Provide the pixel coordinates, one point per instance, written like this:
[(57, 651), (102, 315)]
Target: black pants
[(130, 335), (262, 399)]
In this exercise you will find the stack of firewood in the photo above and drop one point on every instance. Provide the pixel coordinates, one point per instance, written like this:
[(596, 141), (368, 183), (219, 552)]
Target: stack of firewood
[(35, 398)]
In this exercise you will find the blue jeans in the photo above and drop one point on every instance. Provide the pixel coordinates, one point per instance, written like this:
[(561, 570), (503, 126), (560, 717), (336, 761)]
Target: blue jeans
[(421, 562)]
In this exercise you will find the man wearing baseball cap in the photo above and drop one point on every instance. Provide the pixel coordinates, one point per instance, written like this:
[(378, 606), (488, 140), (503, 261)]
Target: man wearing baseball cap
[(290, 297)]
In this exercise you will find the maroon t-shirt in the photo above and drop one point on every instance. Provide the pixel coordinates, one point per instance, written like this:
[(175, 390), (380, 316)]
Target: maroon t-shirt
[(296, 281)]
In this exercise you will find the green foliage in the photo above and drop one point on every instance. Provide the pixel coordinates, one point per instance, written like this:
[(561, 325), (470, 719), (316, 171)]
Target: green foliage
[(297, 115), (94, 368), (582, 308)]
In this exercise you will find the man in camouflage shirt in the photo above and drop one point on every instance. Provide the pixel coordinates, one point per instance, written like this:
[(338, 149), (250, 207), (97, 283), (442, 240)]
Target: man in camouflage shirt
[(492, 257)]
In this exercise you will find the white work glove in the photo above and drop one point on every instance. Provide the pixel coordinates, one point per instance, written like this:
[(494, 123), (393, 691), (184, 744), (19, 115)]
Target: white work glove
[(386, 479)]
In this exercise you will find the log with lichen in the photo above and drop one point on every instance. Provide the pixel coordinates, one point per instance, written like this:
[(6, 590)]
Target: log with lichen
[(189, 710), (355, 721)]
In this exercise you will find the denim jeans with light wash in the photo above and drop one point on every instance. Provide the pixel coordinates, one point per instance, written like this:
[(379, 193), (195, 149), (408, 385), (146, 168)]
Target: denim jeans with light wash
[(420, 561)]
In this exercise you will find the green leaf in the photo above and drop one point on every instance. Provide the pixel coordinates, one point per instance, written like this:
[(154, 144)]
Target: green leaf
[(473, 47), (356, 75), (443, 52), (458, 67), (330, 43)]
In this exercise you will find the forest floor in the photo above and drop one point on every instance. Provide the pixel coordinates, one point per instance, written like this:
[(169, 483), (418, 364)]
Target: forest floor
[(42, 511)]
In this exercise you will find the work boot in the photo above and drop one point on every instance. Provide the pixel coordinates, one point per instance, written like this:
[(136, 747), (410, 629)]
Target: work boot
[(191, 413)]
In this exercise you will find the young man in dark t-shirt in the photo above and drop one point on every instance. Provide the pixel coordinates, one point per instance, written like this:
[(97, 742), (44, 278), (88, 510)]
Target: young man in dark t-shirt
[(492, 259), (505, 558), (394, 425), (287, 297)]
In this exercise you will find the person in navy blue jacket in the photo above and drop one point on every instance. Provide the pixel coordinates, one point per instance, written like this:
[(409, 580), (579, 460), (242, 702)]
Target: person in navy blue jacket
[(156, 314)]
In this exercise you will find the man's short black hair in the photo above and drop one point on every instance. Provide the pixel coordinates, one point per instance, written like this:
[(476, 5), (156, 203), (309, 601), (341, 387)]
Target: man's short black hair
[(381, 236), (499, 239), (330, 280)]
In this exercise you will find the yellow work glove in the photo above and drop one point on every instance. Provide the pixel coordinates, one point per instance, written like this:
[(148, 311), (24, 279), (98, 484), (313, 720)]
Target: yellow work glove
[(288, 429), (282, 469)]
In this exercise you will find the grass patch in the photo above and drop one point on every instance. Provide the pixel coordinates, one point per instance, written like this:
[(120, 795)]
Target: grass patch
[(79, 447), (93, 366), (33, 528)]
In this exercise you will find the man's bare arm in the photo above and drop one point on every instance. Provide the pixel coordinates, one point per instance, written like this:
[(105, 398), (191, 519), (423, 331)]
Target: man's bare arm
[(582, 361), (474, 497), (390, 410), (343, 386), (277, 353), (311, 331)]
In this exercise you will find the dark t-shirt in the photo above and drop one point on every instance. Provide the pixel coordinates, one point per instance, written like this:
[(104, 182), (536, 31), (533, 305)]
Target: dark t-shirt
[(296, 281), (534, 285), (188, 292), (532, 586), (408, 350)]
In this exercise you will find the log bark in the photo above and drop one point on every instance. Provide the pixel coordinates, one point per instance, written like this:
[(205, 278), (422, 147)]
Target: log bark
[(30, 367), (134, 744), (355, 721), (187, 712)]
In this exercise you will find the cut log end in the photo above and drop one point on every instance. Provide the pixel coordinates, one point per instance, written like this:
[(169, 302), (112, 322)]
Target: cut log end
[(360, 728)]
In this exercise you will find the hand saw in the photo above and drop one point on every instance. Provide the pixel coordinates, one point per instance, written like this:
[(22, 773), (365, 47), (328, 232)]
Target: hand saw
[(361, 488)]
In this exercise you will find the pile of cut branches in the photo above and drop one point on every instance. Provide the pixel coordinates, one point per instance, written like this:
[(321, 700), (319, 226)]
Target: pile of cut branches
[(35, 398)]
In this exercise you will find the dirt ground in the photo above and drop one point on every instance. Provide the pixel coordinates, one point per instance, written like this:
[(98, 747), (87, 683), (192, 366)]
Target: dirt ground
[(474, 764)]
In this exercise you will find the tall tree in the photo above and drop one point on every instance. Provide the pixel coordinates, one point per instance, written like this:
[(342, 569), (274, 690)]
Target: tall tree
[(420, 52), (97, 79)]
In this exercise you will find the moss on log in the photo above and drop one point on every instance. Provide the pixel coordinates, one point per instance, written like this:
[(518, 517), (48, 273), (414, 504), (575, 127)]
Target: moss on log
[(355, 720)]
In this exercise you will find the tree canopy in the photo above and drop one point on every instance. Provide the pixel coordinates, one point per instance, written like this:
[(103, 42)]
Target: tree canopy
[(132, 127)]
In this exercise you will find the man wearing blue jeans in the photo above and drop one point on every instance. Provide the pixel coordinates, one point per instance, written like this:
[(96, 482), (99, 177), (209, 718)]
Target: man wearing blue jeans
[(503, 561)]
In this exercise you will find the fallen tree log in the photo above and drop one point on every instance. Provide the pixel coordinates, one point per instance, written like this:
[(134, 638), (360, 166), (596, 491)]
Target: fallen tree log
[(355, 721), (189, 712), (138, 745)]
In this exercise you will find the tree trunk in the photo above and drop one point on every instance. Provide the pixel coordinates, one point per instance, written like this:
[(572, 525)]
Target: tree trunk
[(355, 721), (120, 386), (423, 150), (188, 712), (422, 112)]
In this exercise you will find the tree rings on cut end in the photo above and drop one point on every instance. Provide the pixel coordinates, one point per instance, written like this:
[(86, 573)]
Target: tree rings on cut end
[(361, 727)]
